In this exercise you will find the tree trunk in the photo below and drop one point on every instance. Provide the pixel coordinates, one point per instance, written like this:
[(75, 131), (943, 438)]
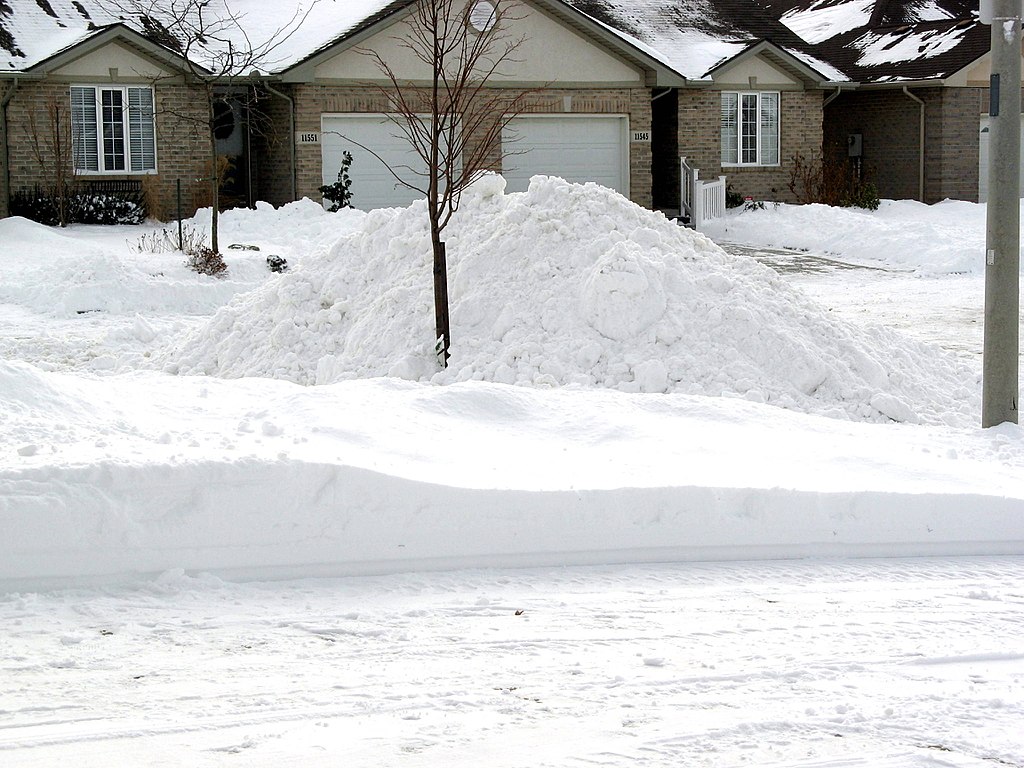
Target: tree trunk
[(441, 320), (214, 180)]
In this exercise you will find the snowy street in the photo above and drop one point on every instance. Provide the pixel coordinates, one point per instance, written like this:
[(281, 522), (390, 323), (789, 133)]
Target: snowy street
[(880, 664)]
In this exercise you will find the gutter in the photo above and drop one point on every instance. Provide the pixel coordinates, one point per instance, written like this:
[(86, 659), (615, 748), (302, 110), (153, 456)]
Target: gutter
[(920, 169), (291, 134), (8, 95)]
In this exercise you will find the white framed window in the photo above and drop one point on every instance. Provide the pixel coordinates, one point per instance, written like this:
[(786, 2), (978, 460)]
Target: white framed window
[(112, 129), (750, 128)]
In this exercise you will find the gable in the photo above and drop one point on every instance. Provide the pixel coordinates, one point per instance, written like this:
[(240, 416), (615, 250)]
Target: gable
[(98, 63), (755, 69), (550, 52), (974, 75)]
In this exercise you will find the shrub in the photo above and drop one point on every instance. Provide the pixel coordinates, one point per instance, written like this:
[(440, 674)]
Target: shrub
[(733, 199), (339, 194), (82, 207), (207, 261), (166, 240), (831, 180)]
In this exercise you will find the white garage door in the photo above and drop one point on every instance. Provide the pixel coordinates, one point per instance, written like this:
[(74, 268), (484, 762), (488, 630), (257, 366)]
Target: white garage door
[(373, 185), (577, 148), (983, 153)]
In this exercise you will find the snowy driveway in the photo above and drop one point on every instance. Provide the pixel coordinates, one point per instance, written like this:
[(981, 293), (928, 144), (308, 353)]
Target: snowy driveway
[(863, 663)]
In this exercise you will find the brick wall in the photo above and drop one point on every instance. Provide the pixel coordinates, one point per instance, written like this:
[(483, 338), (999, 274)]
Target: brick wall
[(890, 123), (313, 100), (800, 132), (952, 134), (182, 150), (4, 194)]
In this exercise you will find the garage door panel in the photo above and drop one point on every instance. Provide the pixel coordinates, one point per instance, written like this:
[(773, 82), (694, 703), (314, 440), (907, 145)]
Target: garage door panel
[(373, 185), (578, 149)]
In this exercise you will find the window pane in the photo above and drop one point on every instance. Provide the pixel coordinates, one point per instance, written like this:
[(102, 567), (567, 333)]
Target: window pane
[(83, 129), (730, 128), (748, 128), (113, 130), (141, 135), (769, 128)]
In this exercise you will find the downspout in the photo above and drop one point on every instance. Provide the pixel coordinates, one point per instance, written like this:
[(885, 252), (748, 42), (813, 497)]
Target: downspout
[(831, 97), (8, 95), (920, 170), (291, 134)]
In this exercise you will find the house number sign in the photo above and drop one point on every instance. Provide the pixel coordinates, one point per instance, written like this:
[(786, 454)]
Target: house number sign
[(641, 136), (307, 138)]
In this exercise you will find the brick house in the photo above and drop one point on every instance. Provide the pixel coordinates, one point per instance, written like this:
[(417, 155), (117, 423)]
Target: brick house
[(619, 91), (111, 104), (916, 123), (620, 103)]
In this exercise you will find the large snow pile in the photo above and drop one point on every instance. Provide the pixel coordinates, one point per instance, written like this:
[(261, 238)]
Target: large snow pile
[(569, 285)]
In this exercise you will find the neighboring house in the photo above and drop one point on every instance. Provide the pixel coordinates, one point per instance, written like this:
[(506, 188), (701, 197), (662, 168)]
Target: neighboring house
[(918, 117), (753, 97), (105, 105), (587, 116), (621, 89)]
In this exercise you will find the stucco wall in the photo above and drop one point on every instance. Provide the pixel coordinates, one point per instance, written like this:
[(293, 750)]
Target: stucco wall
[(314, 100), (700, 141), (182, 151)]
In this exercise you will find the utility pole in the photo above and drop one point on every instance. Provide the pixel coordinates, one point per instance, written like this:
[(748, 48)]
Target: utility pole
[(1002, 234)]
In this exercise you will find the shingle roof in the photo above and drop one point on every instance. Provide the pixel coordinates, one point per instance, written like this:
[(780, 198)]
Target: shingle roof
[(879, 41), (871, 41)]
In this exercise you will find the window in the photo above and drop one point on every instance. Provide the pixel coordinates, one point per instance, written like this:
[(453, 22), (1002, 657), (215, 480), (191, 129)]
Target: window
[(750, 128), (112, 129)]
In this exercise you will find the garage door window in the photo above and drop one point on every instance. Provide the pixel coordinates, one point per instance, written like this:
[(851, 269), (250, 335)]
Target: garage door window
[(750, 128)]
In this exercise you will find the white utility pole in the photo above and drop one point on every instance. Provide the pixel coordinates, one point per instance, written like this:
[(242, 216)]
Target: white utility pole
[(1002, 235)]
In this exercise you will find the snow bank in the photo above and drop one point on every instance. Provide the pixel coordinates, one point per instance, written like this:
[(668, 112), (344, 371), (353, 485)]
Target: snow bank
[(945, 238), (72, 271), (569, 285), (143, 473)]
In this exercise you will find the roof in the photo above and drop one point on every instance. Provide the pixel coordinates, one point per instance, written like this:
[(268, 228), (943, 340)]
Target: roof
[(696, 37), (889, 41), (867, 41)]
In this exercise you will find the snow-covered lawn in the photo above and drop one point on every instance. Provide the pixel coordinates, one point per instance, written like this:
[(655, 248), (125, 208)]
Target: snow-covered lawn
[(622, 391)]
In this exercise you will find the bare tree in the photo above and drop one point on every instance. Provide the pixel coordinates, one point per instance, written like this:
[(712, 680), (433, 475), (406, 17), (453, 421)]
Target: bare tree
[(454, 123), (50, 140), (219, 53)]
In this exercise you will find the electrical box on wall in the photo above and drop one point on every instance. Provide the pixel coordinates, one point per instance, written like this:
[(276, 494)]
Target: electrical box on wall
[(855, 145)]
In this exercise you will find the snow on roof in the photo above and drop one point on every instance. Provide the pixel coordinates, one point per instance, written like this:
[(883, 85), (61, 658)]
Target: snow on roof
[(893, 46), (690, 36), (839, 39), (824, 20), (29, 35), (826, 70), (33, 32), (299, 26)]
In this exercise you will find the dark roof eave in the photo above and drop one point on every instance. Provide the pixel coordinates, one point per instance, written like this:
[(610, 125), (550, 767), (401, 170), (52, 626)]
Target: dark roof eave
[(935, 82)]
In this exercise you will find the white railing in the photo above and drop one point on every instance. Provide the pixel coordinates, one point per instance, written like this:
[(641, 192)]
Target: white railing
[(700, 201)]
